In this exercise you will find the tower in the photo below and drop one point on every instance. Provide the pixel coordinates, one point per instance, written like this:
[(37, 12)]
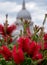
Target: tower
[(24, 14)]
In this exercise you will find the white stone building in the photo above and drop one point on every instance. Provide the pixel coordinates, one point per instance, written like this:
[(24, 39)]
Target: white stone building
[(23, 13)]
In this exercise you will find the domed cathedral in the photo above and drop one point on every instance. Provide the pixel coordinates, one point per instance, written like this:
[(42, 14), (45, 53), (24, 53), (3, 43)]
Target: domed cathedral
[(25, 15)]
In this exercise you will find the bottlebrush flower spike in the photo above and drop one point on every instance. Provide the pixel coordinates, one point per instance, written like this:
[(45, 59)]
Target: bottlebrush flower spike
[(37, 56), (1, 29), (6, 53), (45, 46), (11, 28), (24, 43), (45, 37), (18, 55), (8, 39), (34, 47), (0, 51)]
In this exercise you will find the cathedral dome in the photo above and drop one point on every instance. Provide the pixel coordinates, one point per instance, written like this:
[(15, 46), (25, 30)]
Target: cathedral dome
[(24, 13)]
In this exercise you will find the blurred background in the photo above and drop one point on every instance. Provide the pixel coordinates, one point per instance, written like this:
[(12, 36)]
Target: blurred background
[(36, 8)]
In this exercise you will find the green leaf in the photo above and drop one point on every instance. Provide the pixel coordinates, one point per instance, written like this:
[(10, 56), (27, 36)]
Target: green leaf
[(11, 63), (44, 62), (3, 62), (35, 38)]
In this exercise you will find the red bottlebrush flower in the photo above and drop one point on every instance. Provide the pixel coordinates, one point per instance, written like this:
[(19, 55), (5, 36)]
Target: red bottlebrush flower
[(45, 37), (7, 39), (6, 32), (18, 55), (24, 43), (34, 47), (11, 28), (37, 56), (15, 56), (0, 51), (1, 29), (38, 47), (6, 53), (45, 46)]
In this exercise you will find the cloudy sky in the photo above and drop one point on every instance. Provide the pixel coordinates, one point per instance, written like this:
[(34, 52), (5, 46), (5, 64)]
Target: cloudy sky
[(37, 8)]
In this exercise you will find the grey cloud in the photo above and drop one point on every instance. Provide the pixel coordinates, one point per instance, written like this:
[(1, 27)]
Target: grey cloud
[(39, 2), (42, 4), (13, 14)]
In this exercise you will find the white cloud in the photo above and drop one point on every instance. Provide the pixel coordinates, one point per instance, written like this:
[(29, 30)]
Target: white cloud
[(37, 12), (30, 5), (9, 7)]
